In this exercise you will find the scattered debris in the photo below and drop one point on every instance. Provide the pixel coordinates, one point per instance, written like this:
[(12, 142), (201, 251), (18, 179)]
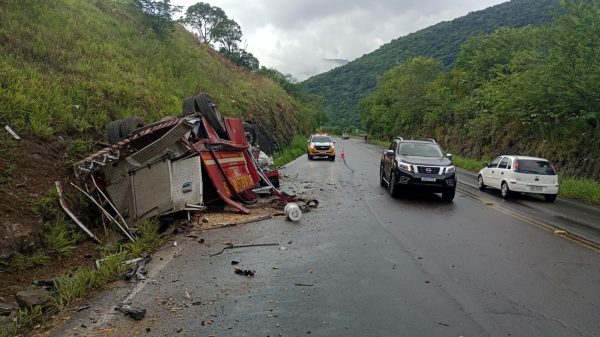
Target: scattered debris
[(231, 246), (245, 272), (63, 204), (12, 132), (282, 248), (304, 284), (6, 309), (444, 324), (46, 284), (234, 262), (292, 211), (560, 232), (133, 312), (82, 307)]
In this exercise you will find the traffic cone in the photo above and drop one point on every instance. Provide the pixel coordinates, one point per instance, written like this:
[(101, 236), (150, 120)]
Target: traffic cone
[(342, 157)]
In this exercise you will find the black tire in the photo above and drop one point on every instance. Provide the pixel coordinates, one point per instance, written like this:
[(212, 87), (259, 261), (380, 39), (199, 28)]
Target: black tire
[(332, 158), (113, 131), (250, 132), (130, 124), (206, 105), (310, 157), (393, 186), (448, 195), (504, 190), (480, 183), (189, 106), (382, 182), (550, 197)]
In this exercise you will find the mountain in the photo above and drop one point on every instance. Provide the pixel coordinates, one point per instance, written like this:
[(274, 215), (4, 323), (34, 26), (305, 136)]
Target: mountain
[(344, 86)]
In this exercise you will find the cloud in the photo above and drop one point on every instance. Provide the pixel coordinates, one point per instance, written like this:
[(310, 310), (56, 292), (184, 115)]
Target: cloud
[(302, 37)]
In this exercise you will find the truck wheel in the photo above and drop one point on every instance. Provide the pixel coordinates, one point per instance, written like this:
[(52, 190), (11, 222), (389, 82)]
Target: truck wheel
[(113, 131), (130, 124), (206, 105), (448, 195)]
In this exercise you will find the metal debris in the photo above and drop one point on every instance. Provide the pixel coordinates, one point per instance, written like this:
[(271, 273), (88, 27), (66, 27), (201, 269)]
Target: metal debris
[(63, 204), (12, 132), (133, 312)]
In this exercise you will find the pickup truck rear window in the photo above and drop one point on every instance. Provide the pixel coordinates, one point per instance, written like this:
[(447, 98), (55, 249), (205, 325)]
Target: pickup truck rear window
[(541, 167)]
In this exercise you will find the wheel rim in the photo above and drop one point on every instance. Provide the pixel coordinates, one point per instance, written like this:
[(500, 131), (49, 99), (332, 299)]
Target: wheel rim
[(480, 180), (392, 183), (381, 173), (504, 190)]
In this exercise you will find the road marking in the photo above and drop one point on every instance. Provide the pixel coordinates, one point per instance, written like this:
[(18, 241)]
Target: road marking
[(565, 234)]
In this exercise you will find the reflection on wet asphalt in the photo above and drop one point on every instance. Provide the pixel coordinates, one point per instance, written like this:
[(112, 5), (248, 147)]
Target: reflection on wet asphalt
[(364, 264)]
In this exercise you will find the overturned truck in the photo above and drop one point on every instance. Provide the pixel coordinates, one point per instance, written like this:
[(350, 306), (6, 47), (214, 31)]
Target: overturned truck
[(176, 164)]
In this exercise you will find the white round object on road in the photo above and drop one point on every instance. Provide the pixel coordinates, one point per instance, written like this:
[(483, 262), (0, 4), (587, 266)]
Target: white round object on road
[(292, 211)]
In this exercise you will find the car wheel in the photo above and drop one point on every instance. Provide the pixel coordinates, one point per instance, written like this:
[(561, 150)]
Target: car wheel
[(332, 158), (550, 197), (480, 183), (392, 186), (448, 195), (381, 180), (310, 157), (504, 191)]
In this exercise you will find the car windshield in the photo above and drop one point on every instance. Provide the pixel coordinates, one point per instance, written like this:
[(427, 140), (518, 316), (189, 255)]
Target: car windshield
[(534, 167), (420, 149), (321, 139)]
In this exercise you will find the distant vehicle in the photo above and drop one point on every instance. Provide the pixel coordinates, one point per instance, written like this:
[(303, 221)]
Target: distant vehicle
[(520, 174), (320, 146), (417, 164), (345, 136)]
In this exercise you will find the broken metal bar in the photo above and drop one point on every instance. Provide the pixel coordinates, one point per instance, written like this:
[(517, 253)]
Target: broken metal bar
[(108, 215), (63, 204), (12, 132), (109, 202), (245, 246)]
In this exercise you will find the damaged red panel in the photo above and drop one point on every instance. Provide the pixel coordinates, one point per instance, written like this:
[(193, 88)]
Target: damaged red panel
[(234, 166)]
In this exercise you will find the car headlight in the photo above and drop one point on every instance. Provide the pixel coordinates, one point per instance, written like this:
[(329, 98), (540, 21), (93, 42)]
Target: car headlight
[(450, 169), (404, 167), (312, 146)]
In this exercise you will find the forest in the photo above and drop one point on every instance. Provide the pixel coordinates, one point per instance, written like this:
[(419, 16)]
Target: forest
[(533, 90), (342, 87)]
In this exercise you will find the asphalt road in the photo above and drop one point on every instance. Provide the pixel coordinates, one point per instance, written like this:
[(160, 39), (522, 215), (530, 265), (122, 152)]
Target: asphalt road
[(364, 264)]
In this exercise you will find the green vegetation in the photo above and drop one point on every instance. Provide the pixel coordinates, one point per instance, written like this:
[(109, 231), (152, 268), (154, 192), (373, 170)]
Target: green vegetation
[(469, 164), (343, 87), (295, 149), (580, 188), (47, 205), (102, 60), (20, 262), (61, 237), (519, 90)]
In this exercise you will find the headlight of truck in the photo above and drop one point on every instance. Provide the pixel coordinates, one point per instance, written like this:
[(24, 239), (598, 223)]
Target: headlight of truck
[(404, 167), (450, 169)]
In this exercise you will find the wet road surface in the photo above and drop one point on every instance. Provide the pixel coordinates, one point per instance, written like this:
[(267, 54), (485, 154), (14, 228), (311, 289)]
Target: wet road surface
[(364, 264)]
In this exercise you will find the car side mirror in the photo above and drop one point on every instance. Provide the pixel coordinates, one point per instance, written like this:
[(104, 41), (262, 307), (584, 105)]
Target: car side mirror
[(389, 153)]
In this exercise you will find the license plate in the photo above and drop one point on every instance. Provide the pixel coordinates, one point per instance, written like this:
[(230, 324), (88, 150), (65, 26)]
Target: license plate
[(428, 179), (535, 188)]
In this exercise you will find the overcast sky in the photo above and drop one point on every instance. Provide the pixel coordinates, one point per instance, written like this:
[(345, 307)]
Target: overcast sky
[(308, 37)]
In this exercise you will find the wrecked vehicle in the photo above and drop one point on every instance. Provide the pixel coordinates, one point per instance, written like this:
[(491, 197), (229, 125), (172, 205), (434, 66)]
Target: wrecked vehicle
[(177, 164)]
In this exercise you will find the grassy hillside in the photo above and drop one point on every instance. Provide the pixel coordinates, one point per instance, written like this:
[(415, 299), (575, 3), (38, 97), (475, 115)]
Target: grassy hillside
[(344, 86), (73, 65), (69, 67)]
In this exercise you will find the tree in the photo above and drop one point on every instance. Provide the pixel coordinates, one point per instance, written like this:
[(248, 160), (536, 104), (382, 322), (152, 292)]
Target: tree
[(228, 33), (160, 14), (205, 19), (241, 57)]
